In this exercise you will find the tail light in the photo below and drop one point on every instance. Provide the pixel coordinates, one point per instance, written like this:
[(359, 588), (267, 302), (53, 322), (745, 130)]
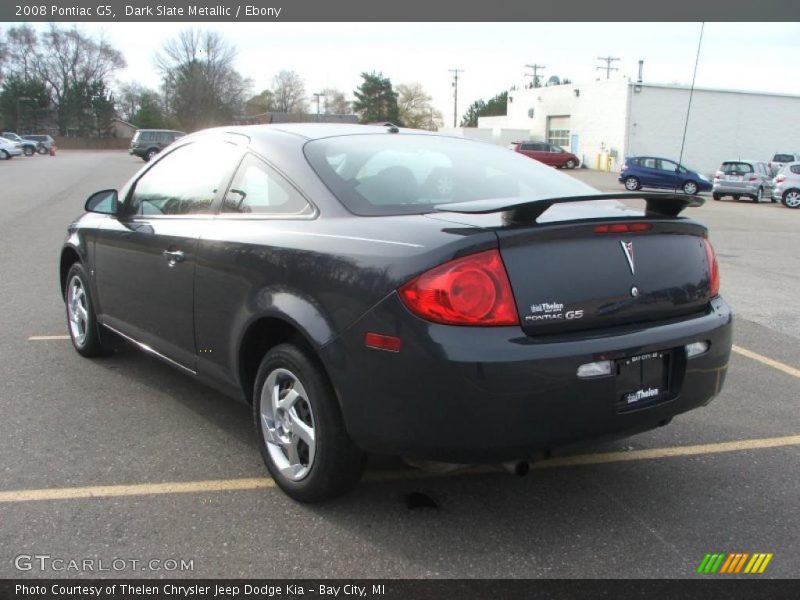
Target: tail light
[(752, 178), (623, 228), (780, 179), (713, 269), (718, 175), (472, 290)]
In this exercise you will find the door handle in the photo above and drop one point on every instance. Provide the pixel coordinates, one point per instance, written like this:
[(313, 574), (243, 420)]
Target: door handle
[(174, 256)]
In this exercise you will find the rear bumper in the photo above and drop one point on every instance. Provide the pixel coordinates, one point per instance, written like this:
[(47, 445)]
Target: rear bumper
[(464, 395), (736, 190)]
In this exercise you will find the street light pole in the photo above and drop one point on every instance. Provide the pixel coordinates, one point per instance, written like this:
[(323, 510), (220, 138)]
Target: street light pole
[(455, 73), (20, 99), (317, 95)]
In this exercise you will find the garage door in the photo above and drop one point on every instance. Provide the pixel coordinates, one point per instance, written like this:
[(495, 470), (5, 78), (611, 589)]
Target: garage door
[(558, 130)]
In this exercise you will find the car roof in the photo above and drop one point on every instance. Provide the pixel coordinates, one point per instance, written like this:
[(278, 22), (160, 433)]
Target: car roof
[(314, 131)]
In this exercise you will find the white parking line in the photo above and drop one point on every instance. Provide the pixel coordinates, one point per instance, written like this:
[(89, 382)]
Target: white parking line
[(47, 338), (767, 361)]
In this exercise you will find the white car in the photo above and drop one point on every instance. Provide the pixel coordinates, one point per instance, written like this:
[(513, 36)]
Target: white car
[(9, 149)]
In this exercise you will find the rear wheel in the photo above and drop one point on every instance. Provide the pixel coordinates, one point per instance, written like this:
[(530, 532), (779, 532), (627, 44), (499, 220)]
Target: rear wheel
[(717, 196), (28, 151), (632, 184), (791, 199), (570, 164), (42, 149), (690, 188), (150, 154), (302, 436), (736, 197), (759, 195), (4, 155)]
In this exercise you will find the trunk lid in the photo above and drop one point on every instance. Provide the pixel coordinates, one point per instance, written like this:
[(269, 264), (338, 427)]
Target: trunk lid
[(571, 278)]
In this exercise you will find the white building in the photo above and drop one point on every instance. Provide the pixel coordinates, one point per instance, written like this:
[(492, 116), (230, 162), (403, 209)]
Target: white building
[(604, 121)]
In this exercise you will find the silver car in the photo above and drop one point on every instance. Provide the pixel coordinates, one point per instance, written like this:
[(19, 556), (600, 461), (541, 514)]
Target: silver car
[(787, 186), (781, 159), (9, 149), (737, 178)]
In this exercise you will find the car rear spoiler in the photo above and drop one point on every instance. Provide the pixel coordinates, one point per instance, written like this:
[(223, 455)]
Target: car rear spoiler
[(518, 209)]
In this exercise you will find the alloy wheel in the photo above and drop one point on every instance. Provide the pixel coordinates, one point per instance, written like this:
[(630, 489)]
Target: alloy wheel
[(792, 199), (77, 310), (287, 423), (632, 184), (690, 188)]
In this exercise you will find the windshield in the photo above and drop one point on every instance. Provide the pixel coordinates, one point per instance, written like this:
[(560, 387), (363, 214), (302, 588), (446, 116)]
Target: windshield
[(783, 158), (411, 174), (736, 168)]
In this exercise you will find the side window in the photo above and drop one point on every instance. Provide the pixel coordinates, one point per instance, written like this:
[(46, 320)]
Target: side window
[(184, 182), (668, 165), (147, 136), (259, 189), (649, 163), (795, 169), (528, 147)]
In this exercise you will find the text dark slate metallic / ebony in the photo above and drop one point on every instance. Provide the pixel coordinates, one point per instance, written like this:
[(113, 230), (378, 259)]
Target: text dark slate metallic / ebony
[(369, 290)]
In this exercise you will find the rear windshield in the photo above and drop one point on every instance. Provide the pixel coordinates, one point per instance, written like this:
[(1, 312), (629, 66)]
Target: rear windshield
[(783, 158), (397, 174), (736, 168)]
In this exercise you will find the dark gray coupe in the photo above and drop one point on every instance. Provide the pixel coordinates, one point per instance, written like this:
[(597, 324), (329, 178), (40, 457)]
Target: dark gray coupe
[(372, 289)]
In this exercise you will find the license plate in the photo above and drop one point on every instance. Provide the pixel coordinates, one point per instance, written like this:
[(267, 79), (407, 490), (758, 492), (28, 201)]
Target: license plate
[(735, 177), (642, 379)]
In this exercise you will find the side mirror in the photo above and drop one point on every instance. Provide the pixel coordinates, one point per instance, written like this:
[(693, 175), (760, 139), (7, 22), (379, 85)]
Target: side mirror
[(105, 202)]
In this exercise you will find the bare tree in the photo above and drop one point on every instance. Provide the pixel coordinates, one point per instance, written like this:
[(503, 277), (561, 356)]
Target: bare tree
[(201, 85), (415, 107), (129, 100), (289, 93), (336, 102)]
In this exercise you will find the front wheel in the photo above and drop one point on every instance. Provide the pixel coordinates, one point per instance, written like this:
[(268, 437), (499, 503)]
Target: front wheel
[(4, 155), (84, 330), (791, 199), (570, 164), (690, 188), (632, 184), (301, 433), (28, 151)]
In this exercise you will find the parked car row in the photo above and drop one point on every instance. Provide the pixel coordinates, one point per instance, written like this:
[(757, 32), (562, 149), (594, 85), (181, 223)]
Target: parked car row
[(12, 145), (735, 178)]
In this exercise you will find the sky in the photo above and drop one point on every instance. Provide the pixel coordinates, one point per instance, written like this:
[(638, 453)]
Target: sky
[(744, 56)]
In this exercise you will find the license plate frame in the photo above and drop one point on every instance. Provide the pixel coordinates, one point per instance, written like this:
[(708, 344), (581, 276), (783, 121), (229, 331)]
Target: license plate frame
[(643, 379)]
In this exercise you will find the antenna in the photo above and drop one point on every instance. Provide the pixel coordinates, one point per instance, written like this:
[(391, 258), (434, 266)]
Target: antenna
[(535, 75), (691, 94), (455, 73)]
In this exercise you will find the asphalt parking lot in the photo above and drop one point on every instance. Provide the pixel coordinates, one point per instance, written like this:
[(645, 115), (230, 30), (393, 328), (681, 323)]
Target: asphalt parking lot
[(125, 458)]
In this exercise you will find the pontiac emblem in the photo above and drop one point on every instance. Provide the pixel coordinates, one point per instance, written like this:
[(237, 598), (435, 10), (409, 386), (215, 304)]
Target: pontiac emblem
[(627, 248)]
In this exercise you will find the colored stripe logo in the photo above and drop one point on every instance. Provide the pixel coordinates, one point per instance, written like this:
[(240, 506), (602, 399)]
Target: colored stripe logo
[(730, 563)]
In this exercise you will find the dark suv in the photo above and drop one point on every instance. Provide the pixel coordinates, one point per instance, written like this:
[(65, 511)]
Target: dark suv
[(146, 143)]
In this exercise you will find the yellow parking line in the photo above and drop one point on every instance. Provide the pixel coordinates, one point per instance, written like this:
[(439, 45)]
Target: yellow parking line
[(253, 483), (767, 361), (45, 338)]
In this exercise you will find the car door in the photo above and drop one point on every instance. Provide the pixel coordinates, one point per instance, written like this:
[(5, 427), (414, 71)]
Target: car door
[(145, 256), (765, 178), (668, 174)]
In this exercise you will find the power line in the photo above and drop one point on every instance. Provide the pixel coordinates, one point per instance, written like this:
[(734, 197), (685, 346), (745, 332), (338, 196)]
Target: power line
[(608, 68), (455, 73), (535, 75)]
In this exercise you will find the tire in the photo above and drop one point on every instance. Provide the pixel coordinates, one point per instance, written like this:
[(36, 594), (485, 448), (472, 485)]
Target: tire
[(320, 463), (689, 188), (149, 155), (4, 155), (84, 331), (758, 195), (791, 199), (736, 198), (42, 150), (717, 196), (632, 184), (570, 164), (28, 151)]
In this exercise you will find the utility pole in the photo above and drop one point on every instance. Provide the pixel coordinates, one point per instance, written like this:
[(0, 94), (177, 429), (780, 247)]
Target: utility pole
[(455, 73), (317, 95), (535, 74), (608, 68)]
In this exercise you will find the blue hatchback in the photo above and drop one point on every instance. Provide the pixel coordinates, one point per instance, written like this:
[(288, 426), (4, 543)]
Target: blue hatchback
[(648, 171)]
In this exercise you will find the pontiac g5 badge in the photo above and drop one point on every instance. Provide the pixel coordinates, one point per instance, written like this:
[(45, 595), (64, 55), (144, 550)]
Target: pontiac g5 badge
[(627, 248)]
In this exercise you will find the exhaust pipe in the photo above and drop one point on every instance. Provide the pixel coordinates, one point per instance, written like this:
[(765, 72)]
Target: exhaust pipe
[(520, 468)]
